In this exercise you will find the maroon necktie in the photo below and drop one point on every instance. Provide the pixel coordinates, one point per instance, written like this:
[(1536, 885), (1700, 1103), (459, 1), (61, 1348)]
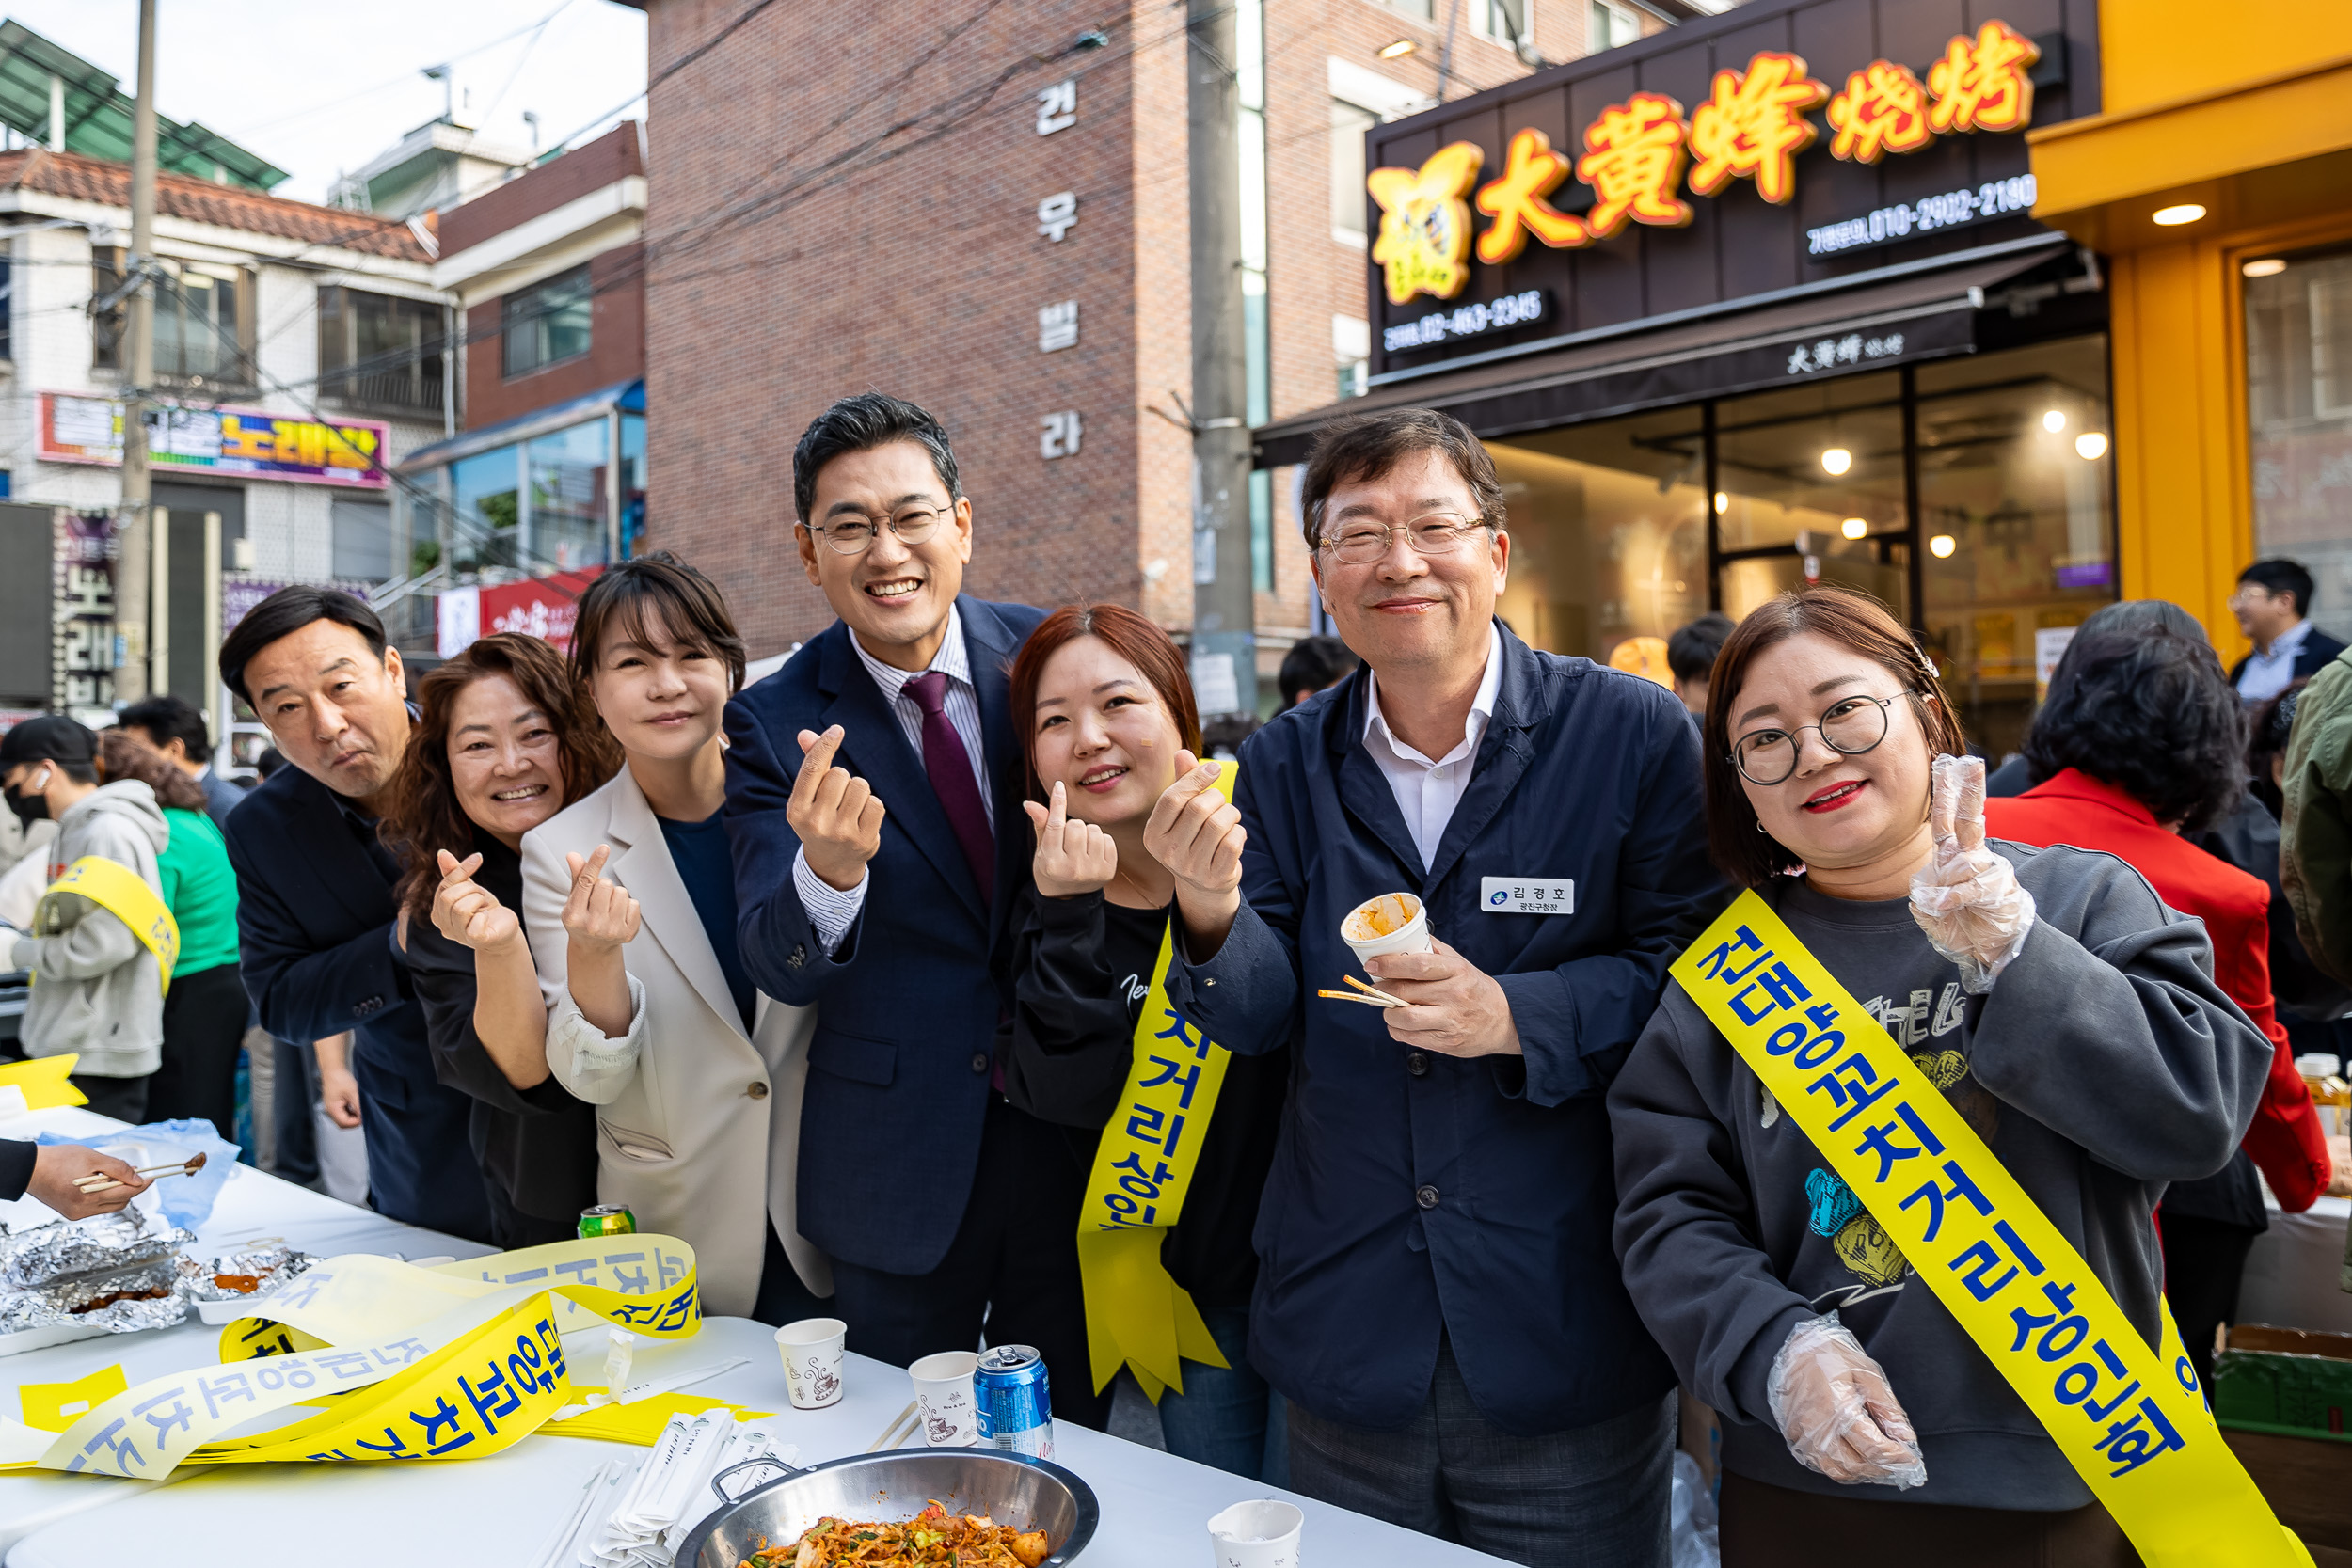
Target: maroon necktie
[(953, 780)]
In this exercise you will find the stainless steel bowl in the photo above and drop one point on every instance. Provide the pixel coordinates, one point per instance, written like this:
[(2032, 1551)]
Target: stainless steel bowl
[(1010, 1488)]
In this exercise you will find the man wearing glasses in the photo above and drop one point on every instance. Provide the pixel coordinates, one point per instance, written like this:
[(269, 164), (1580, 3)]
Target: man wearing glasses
[(1438, 1296), (874, 788)]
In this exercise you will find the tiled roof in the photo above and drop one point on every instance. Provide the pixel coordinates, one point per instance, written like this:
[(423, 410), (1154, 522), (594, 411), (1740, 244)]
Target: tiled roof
[(102, 181)]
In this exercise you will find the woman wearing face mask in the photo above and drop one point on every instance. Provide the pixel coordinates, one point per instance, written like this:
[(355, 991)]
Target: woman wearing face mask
[(2066, 1015), (1101, 695), (504, 737), (694, 1075)]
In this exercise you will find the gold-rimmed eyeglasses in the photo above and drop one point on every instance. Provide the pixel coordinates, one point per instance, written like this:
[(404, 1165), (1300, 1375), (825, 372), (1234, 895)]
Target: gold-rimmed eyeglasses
[(853, 532), (1360, 540)]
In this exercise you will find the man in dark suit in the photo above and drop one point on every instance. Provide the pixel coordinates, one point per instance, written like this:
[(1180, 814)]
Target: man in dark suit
[(2273, 607), (1438, 1294), (176, 727), (316, 910), (940, 1204)]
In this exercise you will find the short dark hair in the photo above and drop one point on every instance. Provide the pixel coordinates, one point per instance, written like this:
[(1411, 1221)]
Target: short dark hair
[(861, 424), (285, 612), (1847, 617), (651, 598), (1691, 651), (1313, 663), (167, 717), (2151, 714), (1362, 447), (2281, 576)]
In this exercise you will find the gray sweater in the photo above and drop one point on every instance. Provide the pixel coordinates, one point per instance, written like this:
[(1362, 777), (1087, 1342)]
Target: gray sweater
[(95, 987), (2104, 1064)]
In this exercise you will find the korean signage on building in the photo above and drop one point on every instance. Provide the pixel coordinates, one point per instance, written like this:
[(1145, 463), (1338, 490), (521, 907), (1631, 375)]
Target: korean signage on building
[(544, 607), (243, 443), (82, 611)]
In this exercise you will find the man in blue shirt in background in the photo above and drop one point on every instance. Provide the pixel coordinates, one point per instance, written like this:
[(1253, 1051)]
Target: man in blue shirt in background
[(1438, 1293)]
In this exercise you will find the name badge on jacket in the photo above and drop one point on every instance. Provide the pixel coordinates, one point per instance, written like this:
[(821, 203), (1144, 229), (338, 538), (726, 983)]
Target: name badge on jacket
[(1526, 895)]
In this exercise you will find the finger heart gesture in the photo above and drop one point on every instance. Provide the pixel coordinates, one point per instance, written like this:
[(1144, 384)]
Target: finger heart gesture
[(1194, 832), (466, 912), (1073, 857), (598, 913)]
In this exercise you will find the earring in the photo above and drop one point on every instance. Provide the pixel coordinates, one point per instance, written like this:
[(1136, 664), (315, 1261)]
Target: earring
[(1761, 828)]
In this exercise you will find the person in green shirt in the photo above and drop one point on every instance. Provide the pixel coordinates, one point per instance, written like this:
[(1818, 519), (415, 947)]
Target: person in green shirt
[(205, 1011)]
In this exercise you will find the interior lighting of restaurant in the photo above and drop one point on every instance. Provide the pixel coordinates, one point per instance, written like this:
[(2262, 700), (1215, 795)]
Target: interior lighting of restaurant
[(1722, 503), (2267, 267), (1942, 545), (1854, 528), (2091, 446), (2173, 217), (1836, 460), (2054, 420), (1397, 49)]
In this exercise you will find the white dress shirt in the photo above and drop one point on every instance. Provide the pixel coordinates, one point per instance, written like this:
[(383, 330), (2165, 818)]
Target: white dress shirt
[(2266, 675), (831, 910), (1427, 790)]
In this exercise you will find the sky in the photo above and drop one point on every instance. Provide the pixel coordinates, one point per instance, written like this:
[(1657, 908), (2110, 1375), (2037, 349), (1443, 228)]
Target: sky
[(319, 89)]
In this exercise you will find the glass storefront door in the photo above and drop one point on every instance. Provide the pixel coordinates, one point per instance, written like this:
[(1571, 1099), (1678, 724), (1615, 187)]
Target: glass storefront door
[(2298, 415)]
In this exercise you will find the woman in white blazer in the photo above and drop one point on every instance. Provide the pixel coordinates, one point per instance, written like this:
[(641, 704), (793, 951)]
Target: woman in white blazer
[(695, 1076)]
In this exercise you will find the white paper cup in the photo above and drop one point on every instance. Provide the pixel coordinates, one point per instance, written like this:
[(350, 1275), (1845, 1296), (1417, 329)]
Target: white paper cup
[(1393, 923), (1262, 1533), (942, 1389), (812, 1350)]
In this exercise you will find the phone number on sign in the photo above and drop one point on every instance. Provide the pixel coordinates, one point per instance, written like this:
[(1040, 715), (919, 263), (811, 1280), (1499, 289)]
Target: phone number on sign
[(1992, 199)]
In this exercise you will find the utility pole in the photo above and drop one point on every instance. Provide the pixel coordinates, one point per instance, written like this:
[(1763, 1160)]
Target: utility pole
[(131, 524), (1224, 614)]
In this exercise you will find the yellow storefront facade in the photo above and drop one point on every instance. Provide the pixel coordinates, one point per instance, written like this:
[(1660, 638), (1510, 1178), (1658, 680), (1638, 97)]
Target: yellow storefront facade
[(2216, 182)]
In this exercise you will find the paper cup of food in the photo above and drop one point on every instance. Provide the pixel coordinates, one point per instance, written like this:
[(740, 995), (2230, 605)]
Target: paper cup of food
[(1393, 923), (1262, 1533), (943, 1393), (812, 1351)]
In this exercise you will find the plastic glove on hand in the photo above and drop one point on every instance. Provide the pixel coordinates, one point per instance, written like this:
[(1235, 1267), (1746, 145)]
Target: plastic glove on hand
[(1966, 898), (1833, 1407)]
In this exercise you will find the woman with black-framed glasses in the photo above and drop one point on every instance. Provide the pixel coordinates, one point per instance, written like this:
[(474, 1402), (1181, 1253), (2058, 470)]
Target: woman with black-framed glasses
[(2064, 1013)]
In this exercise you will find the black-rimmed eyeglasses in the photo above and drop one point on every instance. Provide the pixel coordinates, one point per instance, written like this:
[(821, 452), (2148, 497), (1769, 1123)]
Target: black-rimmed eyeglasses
[(1853, 725)]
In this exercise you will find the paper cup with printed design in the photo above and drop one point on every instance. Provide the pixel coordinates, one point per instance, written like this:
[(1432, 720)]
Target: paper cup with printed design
[(1262, 1533), (812, 1351), (1393, 923), (943, 1393)]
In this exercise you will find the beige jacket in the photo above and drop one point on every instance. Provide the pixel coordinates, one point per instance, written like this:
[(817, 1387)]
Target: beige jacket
[(698, 1128)]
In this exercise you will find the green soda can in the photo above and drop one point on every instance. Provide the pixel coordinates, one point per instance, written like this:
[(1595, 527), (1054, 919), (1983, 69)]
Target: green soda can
[(607, 1219)]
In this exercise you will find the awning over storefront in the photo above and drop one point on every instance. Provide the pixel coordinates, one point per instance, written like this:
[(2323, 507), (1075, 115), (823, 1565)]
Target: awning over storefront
[(1865, 321), (627, 396)]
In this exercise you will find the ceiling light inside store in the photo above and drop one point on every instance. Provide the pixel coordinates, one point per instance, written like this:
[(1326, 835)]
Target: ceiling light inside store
[(1836, 460), (1942, 546), (2091, 446), (2054, 420), (2173, 217), (1401, 47), (2268, 266), (1854, 528), (1722, 503)]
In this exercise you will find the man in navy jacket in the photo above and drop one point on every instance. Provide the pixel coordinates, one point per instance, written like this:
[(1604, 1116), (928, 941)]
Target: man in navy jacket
[(1438, 1294), (874, 789), (315, 908)]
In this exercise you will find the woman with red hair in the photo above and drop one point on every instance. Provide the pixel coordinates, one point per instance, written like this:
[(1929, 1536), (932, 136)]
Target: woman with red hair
[(1102, 703)]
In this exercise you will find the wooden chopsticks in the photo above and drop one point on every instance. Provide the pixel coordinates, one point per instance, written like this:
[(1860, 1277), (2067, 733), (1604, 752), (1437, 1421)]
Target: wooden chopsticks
[(98, 1181), (1371, 996)]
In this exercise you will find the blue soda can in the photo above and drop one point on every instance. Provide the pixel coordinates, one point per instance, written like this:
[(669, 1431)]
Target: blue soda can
[(1016, 1409)]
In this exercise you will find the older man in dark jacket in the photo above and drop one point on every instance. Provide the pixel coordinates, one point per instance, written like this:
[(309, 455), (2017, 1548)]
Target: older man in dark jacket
[(1437, 1295)]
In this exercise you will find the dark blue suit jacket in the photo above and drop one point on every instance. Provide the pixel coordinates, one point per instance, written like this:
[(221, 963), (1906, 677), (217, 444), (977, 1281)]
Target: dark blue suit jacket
[(1468, 1197), (907, 1009), (314, 945)]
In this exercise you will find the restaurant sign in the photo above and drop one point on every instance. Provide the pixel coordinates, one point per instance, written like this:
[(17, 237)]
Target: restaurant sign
[(242, 443), (1641, 155)]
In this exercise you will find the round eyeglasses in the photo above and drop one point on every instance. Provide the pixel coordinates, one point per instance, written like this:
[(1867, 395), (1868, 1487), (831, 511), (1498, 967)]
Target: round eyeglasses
[(1359, 541), (854, 533), (1853, 727)]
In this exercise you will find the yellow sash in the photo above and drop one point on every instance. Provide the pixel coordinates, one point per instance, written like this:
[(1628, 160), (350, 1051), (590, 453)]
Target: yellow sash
[(457, 1361), (2132, 1422), (119, 891), (1136, 1314)]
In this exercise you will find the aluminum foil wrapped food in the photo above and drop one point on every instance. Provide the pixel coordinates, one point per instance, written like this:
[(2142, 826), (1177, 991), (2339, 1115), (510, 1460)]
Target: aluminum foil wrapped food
[(64, 1249), (249, 1271), (117, 1272)]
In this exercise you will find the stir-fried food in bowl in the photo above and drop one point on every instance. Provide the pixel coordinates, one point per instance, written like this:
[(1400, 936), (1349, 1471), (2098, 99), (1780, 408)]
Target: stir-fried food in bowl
[(932, 1539)]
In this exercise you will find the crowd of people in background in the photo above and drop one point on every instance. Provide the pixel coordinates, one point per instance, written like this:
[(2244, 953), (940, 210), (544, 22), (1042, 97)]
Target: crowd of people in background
[(857, 980)]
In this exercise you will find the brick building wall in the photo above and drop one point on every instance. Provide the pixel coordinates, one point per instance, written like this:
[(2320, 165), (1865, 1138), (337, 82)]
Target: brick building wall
[(617, 347), (846, 198)]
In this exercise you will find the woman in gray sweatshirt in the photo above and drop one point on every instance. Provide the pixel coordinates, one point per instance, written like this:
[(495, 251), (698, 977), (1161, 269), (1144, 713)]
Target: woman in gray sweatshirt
[(2069, 1017)]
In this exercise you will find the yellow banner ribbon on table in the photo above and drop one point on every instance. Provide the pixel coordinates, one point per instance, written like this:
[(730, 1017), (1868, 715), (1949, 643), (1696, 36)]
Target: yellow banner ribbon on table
[(46, 1081), (2132, 1421), (1137, 1315), (122, 892), (410, 1363)]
